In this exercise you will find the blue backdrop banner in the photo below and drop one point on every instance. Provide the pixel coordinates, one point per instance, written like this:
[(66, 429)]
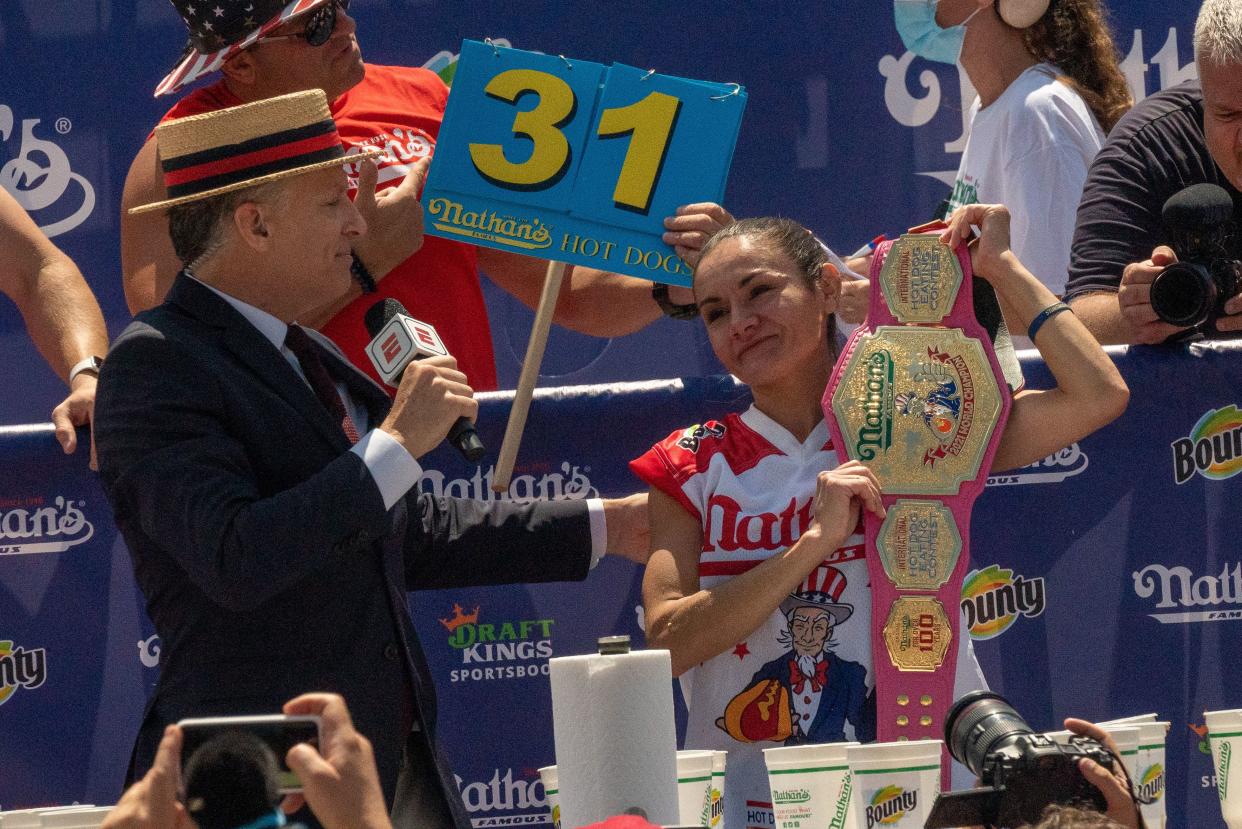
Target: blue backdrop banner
[(1106, 581), (844, 129)]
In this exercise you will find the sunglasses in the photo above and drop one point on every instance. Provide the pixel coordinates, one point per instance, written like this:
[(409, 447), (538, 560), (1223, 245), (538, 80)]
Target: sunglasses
[(320, 24)]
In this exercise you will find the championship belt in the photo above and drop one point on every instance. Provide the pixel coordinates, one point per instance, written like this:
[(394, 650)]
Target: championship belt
[(918, 397)]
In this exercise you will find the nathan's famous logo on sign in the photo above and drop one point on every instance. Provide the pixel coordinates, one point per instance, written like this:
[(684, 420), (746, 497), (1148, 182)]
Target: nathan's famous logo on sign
[(498, 650), (1213, 448), (504, 800), (877, 429), (570, 483), (1053, 469), (1151, 783), (28, 525), (20, 668), (994, 598), (889, 805), (149, 651), (1177, 588), (519, 232)]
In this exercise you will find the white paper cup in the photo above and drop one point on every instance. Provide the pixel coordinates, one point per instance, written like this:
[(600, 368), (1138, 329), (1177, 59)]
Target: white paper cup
[(1225, 735), (551, 793), (1137, 719), (715, 795), (1127, 739), (85, 818), (895, 783), (811, 786), (1150, 781), (694, 785)]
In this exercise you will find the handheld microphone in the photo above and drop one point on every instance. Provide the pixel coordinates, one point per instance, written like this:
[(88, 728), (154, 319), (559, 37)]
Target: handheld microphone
[(397, 340)]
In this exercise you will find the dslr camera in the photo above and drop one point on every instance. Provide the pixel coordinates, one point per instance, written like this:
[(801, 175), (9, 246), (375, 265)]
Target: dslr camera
[(1021, 772), (1192, 292)]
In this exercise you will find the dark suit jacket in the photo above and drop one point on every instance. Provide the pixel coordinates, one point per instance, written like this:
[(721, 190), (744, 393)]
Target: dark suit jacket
[(269, 564)]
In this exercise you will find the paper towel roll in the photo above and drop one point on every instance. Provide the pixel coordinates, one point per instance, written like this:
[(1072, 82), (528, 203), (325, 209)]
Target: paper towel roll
[(616, 740)]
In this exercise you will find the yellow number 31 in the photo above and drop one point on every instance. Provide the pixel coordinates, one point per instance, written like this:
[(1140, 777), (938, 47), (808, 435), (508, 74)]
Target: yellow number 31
[(648, 122)]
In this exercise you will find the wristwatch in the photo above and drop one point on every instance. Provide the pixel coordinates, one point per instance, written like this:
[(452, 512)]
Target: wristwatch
[(90, 364), (659, 292)]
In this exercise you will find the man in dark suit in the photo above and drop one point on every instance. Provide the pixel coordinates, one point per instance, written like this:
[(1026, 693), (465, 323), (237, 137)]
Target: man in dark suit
[(273, 534)]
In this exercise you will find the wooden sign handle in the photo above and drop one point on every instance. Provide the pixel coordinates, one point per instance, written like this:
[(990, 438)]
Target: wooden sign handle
[(530, 374)]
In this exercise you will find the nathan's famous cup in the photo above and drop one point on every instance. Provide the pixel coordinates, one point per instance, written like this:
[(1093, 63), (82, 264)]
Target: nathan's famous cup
[(1127, 739), (715, 795), (895, 783), (1225, 735), (1150, 781), (552, 794), (694, 786), (811, 786)]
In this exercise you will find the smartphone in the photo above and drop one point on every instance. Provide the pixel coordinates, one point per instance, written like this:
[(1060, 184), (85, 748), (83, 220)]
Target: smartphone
[(280, 732)]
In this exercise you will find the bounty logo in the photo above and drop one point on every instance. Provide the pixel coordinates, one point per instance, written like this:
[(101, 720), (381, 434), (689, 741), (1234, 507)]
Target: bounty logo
[(34, 528), (1213, 449), (498, 650), (20, 668), (1151, 783), (877, 430), (993, 599), (889, 805)]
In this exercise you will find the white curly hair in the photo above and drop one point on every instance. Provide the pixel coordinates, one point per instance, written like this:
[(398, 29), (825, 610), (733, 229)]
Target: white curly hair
[(1218, 33)]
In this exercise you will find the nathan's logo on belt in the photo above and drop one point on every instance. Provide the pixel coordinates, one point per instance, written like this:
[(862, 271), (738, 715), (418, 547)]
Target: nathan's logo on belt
[(20, 668), (994, 598), (889, 805), (877, 429), (498, 650), (1213, 448), (453, 217)]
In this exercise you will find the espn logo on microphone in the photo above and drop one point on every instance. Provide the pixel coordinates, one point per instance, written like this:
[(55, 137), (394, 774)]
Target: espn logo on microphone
[(401, 340)]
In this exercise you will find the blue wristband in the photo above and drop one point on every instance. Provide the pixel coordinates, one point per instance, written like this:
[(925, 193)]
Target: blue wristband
[(1043, 316)]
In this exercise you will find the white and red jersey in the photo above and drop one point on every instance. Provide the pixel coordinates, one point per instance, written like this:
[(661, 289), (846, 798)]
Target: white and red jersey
[(751, 485)]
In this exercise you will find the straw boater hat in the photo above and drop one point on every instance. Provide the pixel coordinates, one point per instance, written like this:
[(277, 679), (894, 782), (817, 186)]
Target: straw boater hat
[(242, 146), (220, 29)]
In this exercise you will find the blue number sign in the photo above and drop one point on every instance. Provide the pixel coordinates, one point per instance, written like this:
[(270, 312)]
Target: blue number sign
[(574, 161)]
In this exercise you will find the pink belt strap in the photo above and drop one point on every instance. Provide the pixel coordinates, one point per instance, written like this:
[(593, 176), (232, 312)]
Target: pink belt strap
[(918, 396)]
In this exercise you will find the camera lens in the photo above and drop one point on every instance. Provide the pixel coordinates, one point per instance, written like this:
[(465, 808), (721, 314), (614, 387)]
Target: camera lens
[(978, 724), (1183, 294)]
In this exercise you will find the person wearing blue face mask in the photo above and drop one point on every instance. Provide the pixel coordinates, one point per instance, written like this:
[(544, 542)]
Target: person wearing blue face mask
[(1049, 87)]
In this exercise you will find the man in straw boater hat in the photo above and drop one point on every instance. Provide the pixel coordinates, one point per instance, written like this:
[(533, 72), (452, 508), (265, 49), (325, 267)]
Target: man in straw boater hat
[(266, 488), (270, 47)]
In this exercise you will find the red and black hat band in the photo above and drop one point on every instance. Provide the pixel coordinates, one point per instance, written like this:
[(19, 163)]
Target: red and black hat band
[(262, 156)]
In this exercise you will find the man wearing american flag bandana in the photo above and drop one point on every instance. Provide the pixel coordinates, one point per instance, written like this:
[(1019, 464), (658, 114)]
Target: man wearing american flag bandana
[(263, 48)]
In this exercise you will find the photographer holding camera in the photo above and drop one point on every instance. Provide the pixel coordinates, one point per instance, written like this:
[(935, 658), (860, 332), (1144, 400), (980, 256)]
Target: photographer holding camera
[(339, 779), (1126, 236)]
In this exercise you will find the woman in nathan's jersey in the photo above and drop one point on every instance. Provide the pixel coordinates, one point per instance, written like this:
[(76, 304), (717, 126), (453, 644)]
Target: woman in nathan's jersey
[(756, 579)]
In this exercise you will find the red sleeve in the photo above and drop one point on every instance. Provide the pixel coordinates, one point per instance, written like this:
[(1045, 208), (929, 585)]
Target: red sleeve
[(680, 456), (658, 467)]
